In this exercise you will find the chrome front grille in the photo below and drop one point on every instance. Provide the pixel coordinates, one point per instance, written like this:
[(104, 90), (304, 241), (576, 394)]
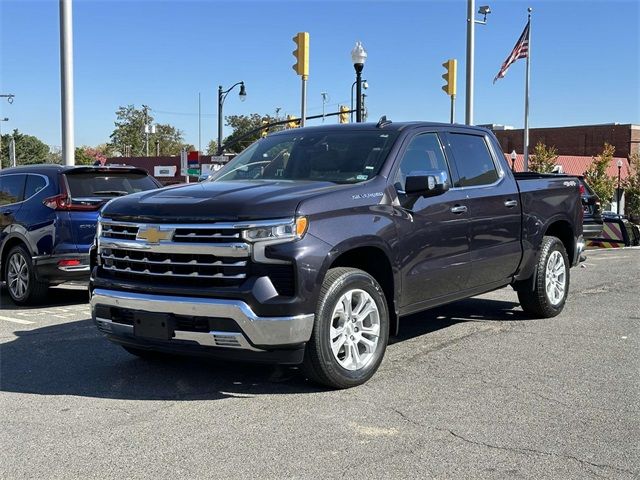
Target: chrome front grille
[(200, 255)]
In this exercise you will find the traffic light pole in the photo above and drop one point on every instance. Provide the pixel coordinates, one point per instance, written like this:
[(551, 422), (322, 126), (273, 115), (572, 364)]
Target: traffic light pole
[(358, 67), (303, 109), (453, 109)]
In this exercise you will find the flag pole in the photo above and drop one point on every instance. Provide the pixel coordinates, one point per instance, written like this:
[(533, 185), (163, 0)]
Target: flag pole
[(526, 100)]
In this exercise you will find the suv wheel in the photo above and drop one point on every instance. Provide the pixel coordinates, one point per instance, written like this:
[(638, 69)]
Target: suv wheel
[(545, 297), (20, 278), (350, 332)]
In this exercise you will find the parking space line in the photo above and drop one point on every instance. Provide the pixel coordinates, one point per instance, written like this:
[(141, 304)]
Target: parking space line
[(15, 320)]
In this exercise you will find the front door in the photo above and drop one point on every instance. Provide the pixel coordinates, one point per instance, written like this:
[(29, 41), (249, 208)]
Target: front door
[(433, 246)]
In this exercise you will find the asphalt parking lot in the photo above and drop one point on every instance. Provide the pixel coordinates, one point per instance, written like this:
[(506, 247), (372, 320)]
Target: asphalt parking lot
[(470, 390)]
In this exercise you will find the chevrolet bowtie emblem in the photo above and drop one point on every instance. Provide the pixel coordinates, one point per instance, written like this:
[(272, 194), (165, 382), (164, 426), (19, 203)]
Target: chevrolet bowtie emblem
[(153, 234)]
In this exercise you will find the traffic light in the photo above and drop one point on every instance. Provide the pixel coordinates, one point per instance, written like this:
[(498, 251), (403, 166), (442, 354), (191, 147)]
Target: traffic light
[(344, 114), (293, 122), (265, 129), (301, 53), (451, 67)]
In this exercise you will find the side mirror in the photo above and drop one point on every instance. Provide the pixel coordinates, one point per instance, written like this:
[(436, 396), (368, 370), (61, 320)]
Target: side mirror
[(427, 184)]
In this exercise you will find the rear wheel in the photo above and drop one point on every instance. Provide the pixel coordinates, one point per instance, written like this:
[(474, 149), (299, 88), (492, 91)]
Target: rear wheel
[(545, 294), (350, 332), (20, 277)]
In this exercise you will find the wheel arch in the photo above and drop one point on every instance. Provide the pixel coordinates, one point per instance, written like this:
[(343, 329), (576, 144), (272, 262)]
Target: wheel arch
[(11, 242), (375, 260)]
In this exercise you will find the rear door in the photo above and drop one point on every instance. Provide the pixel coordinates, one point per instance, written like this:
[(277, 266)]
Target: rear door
[(11, 196), (90, 188), (492, 201)]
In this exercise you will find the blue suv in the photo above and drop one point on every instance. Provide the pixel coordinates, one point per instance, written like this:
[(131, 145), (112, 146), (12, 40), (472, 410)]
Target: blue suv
[(48, 216)]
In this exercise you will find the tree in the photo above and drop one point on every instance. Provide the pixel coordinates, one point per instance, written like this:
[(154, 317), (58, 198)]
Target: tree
[(89, 156), (598, 179), (632, 188), (29, 149), (543, 159), (128, 137), (212, 147), (243, 124)]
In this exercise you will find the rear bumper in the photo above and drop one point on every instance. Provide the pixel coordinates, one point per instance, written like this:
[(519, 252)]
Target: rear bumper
[(47, 268), (256, 338)]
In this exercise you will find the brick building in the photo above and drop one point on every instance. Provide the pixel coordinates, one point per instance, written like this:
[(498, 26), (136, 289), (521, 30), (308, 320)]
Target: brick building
[(580, 140)]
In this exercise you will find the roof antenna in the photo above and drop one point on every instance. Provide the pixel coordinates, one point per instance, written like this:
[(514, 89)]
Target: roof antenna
[(383, 122)]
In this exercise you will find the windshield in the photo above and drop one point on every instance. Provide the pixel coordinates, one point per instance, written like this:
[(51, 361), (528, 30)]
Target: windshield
[(339, 157)]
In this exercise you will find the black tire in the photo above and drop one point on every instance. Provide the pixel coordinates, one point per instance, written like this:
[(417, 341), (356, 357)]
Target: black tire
[(320, 364), (35, 291), (145, 354), (533, 295)]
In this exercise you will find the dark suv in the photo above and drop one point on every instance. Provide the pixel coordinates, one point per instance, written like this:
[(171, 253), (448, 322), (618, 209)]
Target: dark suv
[(48, 216)]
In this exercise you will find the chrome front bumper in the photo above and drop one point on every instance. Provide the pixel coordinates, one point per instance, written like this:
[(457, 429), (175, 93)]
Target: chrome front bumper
[(257, 331)]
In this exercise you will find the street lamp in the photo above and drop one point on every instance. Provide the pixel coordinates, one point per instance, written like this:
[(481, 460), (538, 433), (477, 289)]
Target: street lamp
[(358, 56), (471, 21), (8, 96), (618, 190), (513, 160), (222, 95), (365, 85)]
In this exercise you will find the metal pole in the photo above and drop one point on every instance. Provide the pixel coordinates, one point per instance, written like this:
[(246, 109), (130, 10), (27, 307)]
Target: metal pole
[(453, 109), (146, 130), (618, 193), (199, 126), (358, 92), (219, 152), (66, 80), (12, 151), (526, 101), (471, 7), (303, 109)]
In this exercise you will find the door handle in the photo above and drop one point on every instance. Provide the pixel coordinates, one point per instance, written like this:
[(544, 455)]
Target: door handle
[(459, 209), (510, 203)]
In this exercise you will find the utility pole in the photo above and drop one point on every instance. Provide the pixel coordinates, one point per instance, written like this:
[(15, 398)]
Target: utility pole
[(2, 120), (146, 129), (471, 29), (199, 126), (66, 74)]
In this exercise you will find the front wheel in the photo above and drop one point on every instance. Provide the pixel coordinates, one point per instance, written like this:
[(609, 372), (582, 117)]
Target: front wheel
[(350, 332), (545, 294)]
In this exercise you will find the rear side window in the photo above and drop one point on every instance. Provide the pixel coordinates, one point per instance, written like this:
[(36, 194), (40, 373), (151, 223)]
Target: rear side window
[(35, 183), (107, 184), (473, 160), (11, 189)]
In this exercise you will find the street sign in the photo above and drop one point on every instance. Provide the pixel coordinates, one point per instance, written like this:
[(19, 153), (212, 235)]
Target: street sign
[(218, 159)]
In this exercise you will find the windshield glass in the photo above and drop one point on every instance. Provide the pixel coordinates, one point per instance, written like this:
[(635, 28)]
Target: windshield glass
[(339, 157)]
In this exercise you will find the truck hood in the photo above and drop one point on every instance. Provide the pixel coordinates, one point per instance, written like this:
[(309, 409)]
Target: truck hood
[(216, 201)]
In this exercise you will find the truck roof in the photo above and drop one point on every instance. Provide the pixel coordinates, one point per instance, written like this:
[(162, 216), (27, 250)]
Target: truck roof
[(389, 125)]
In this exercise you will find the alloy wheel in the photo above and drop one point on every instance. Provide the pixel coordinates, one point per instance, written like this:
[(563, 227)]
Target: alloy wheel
[(18, 275)]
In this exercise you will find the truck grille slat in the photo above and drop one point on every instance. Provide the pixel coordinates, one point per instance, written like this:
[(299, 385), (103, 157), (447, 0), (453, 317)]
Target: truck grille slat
[(203, 255)]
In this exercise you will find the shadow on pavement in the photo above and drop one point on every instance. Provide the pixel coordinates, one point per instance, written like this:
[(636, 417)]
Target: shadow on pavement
[(75, 359), (56, 297)]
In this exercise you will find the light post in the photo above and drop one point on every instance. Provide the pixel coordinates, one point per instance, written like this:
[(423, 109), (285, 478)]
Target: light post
[(365, 85), (618, 189), (358, 56), (5, 119), (222, 95), (471, 21), (513, 160)]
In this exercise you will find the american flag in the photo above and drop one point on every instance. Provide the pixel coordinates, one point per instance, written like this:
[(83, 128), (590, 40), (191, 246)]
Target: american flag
[(521, 50)]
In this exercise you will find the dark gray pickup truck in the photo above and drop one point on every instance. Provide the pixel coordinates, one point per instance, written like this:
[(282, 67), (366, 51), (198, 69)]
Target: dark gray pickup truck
[(310, 245)]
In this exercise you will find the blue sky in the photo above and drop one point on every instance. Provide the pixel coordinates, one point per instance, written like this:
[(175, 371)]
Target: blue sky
[(585, 61)]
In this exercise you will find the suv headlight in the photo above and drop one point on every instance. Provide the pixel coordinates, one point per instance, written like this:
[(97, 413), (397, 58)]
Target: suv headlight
[(277, 231)]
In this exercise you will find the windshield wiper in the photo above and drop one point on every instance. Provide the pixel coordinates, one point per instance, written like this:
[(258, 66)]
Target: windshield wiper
[(118, 193)]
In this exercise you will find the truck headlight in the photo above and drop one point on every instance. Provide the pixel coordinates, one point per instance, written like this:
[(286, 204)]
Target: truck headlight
[(276, 232)]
